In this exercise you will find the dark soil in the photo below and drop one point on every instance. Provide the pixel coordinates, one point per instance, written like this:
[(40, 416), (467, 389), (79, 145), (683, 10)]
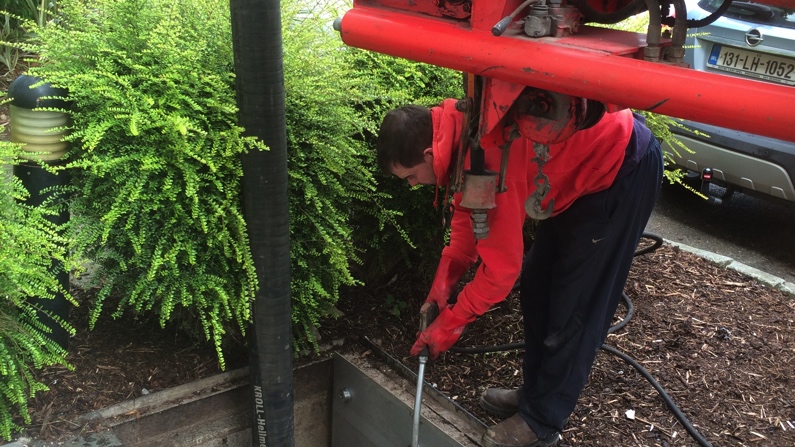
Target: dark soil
[(719, 343)]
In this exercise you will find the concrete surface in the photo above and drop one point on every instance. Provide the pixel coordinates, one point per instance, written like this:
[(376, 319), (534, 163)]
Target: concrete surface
[(752, 232), (377, 407)]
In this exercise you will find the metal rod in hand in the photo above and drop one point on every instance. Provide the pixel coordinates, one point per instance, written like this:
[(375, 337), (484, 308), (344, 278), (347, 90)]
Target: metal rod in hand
[(415, 434)]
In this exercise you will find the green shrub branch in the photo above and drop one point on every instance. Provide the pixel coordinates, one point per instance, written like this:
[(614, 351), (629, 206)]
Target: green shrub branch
[(31, 248), (155, 156)]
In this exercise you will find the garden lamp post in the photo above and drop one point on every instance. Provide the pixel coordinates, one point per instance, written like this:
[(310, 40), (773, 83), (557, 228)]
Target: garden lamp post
[(37, 122)]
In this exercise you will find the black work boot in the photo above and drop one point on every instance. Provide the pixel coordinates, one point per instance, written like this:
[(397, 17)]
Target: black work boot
[(514, 432), (500, 402)]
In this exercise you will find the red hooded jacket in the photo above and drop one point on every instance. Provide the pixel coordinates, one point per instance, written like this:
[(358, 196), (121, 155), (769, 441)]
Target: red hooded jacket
[(583, 164)]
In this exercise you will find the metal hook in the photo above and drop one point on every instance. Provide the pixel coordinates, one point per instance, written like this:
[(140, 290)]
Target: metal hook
[(532, 205)]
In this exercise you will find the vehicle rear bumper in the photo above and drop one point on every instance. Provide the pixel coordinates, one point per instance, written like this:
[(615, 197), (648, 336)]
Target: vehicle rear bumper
[(755, 163)]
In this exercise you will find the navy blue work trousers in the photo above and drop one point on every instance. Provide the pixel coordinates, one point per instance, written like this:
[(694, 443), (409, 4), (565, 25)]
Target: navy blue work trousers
[(571, 284)]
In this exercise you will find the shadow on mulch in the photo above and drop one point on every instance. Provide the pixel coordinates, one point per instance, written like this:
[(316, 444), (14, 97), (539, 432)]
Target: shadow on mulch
[(719, 343)]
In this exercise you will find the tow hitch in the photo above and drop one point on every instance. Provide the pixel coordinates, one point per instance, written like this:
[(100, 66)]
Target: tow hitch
[(706, 180)]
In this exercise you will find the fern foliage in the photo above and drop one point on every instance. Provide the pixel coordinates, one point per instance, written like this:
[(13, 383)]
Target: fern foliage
[(155, 160), (29, 245)]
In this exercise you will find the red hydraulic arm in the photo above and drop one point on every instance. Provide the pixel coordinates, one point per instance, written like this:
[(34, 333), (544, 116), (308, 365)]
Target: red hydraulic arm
[(613, 67)]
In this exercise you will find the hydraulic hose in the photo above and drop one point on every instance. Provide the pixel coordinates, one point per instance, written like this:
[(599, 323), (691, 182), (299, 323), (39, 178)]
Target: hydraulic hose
[(259, 82), (657, 243), (592, 15), (669, 21), (677, 412), (653, 32), (520, 344), (676, 52), (503, 24)]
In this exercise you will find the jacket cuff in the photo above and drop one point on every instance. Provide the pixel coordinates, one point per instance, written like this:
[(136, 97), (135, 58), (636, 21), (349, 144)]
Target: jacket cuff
[(463, 313)]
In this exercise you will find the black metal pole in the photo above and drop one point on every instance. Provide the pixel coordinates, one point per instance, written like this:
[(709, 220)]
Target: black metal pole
[(35, 179), (257, 41)]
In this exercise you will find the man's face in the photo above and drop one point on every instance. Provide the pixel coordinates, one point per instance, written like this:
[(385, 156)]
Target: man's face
[(421, 174)]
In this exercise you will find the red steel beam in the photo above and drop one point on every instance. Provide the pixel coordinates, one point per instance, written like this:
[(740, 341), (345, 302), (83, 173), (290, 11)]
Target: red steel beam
[(780, 3), (580, 70)]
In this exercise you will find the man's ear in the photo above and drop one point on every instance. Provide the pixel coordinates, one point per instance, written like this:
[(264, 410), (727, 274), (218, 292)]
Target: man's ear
[(427, 154)]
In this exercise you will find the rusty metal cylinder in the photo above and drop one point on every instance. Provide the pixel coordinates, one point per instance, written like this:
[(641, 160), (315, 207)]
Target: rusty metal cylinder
[(479, 190), (479, 194)]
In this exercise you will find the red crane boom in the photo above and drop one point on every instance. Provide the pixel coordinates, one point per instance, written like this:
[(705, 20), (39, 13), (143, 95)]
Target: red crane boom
[(614, 67)]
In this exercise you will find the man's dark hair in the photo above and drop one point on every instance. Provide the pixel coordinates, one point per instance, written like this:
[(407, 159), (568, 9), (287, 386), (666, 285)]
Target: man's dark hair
[(404, 135)]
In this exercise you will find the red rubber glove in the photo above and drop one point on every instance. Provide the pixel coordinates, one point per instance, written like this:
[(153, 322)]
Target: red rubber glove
[(441, 334), (447, 275)]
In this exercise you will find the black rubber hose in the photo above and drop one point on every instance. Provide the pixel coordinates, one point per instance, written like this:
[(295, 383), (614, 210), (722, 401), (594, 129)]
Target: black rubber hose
[(670, 21), (259, 82), (680, 28), (654, 30), (628, 316), (677, 412), (592, 15), (658, 241), (520, 344)]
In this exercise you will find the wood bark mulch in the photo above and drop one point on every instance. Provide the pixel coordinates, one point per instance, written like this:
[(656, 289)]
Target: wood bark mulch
[(719, 343)]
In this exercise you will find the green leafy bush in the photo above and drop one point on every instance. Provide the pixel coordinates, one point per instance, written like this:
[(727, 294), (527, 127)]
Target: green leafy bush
[(29, 243), (414, 235), (36, 10), (326, 173), (155, 159), (344, 213), (660, 126), (155, 163)]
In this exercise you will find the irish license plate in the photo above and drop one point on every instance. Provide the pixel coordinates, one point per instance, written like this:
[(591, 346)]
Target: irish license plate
[(750, 63)]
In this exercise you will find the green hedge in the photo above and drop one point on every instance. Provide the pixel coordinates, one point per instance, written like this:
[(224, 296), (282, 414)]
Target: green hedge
[(155, 160), (415, 234), (156, 145), (346, 226)]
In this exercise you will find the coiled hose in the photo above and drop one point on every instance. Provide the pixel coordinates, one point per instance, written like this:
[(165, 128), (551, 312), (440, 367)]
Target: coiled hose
[(658, 241)]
